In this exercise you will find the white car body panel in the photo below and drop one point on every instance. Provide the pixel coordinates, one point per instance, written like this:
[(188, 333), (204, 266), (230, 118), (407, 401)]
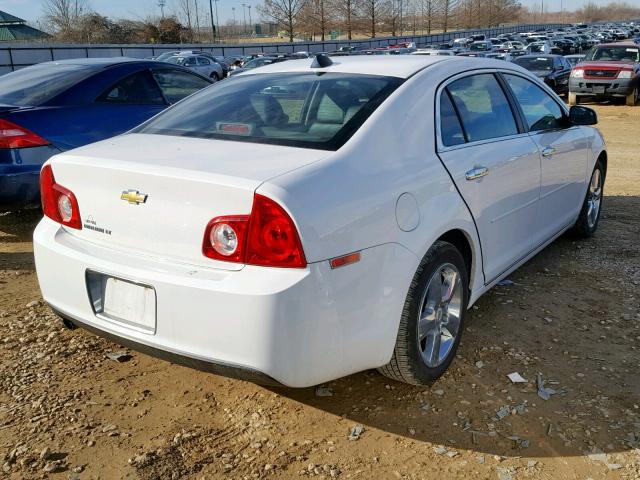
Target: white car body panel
[(385, 193)]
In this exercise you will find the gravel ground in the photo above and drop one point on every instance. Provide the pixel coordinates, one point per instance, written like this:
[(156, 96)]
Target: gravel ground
[(569, 325)]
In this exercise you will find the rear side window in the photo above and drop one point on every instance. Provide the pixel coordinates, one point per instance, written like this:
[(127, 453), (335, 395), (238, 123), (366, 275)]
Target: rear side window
[(540, 110), (176, 85), (136, 89), (450, 128), (306, 110), (483, 107)]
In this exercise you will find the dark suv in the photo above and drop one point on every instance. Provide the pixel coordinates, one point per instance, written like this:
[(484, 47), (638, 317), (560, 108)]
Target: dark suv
[(608, 70)]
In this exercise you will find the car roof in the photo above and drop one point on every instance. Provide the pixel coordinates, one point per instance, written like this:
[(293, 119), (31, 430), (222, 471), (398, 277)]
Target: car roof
[(401, 66), (542, 55), (619, 44), (97, 62)]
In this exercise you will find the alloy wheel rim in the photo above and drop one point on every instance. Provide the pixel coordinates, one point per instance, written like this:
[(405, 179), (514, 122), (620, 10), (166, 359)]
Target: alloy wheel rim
[(439, 315), (594, 198)]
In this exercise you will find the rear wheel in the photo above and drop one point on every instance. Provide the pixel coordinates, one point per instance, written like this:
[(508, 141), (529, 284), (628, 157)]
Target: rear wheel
[(587, 222), (432, 319), (573, 98), (214, 76), (632, 98)]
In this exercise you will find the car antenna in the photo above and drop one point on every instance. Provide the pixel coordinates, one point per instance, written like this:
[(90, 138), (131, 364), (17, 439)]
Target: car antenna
[(321, 61)]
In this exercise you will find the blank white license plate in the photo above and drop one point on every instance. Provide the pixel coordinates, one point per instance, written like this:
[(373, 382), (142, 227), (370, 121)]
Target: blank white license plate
[(598, 89), (130, 303)]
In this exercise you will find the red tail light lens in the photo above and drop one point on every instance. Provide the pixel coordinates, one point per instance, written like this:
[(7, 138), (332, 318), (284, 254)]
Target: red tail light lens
[(273, 237), (58, 202), (15, 136), (267, 237)]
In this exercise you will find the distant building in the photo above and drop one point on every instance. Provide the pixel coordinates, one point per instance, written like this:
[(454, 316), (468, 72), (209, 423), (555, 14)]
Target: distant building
[(14, 29)]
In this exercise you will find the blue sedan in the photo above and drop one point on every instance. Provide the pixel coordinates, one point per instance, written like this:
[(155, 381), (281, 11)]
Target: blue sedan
[(56, 106)]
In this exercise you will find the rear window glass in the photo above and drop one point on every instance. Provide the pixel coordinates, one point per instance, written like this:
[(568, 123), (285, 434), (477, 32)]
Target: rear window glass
[(535, 64), (36, 85), (310, 110)]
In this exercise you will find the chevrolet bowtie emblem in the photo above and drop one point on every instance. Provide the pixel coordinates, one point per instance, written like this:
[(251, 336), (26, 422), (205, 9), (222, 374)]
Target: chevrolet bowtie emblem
[(134, 197)]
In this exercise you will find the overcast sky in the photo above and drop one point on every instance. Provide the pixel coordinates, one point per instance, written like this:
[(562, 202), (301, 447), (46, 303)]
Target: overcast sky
[(31, 10)]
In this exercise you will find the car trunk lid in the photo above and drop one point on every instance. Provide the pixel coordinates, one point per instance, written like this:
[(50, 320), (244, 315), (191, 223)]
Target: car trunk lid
[(155, 194)]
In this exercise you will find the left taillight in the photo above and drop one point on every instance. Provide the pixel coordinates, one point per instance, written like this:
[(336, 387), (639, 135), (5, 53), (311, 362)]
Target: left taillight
[(15, 136), (58, 203)]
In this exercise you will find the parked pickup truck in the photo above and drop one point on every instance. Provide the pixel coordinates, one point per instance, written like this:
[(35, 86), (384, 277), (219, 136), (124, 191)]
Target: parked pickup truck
[(608, 70)]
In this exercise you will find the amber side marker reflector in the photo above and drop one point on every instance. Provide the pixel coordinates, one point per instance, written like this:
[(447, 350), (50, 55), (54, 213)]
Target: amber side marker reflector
[(346, 260)]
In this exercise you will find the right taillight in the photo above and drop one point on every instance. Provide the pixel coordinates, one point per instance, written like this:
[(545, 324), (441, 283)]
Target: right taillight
[(266, 237), (58, 203), (15, 136)]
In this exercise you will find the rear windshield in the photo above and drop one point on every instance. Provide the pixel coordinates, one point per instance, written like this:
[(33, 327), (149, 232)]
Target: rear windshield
[(535, 64), (309, 110), (33, 86), (614, 54)]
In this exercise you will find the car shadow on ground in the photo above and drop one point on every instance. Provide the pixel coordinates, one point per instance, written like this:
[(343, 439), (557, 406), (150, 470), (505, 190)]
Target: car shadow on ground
[(571, 316), (18, 226)]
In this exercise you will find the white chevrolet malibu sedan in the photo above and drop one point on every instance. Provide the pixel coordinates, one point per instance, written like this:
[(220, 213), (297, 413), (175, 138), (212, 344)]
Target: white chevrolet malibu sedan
[(316, 218)]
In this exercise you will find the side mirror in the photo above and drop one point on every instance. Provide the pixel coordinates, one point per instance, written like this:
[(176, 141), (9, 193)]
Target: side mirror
[(579, 115)]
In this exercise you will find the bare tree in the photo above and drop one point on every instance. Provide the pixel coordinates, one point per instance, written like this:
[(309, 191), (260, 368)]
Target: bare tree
[(316, 17), (285, 12), (186, 13), (64, 15), (346, 10), (372, 12), (446, 10)]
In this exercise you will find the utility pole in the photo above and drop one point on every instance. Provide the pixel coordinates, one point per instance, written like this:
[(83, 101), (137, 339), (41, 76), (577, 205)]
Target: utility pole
[(400, 17), (217, 21), (233, 9), (213, 27), (162, 4), (244, 22), (197, 19), (250, 25)]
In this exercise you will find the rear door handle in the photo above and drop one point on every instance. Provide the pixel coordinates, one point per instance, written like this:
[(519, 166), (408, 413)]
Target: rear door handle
[(548, 151), (477, 172)]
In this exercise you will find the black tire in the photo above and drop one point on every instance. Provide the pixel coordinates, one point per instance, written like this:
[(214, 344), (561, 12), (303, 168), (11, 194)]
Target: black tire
[(632, 98), (586, 225), (407, 363), (214, 76)]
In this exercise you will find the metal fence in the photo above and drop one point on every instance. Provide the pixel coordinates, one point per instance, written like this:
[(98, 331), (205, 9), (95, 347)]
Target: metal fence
[(16, 56)]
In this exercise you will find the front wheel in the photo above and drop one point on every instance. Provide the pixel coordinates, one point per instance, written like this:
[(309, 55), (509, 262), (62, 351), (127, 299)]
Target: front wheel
[(632, 98), (587, 222), (214, 76), (432, 319), (573, 98)]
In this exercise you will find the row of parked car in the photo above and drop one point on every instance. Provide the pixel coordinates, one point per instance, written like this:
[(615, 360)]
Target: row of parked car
[(57, 106)]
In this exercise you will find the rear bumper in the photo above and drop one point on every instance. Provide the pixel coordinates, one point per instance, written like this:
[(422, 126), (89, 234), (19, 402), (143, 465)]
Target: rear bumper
[(20, 176), (613, 87), (296, 327), (232, 371), (19, 190)]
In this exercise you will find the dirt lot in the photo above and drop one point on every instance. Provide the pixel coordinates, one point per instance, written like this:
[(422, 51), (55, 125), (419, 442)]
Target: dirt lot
[(68, 411)]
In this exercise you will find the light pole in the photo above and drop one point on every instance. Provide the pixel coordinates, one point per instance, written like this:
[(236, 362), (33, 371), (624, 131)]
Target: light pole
[(213, 27), (162, 4), (233, 9), (244, 22), (250, 26), (217, 21)]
